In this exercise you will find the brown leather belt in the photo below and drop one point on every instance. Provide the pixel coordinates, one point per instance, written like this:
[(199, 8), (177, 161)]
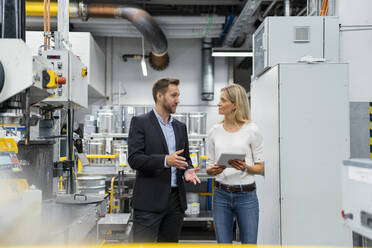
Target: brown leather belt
[(236, 188)]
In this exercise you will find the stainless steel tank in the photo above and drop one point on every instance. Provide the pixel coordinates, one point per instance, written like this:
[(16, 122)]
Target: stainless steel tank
[(182, 117), (128, 112), (96, 146), (105, 120), (193, 203), (118, 118), (121, 147), (197, 123), (91, 184), (140, 110), (195, 155), (89, 124)]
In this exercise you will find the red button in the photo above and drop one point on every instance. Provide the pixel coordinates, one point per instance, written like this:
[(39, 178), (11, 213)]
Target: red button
[(61, 80)]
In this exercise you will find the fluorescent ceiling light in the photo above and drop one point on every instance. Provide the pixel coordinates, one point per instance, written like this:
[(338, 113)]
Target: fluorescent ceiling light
[(143, 66), (231, 52)]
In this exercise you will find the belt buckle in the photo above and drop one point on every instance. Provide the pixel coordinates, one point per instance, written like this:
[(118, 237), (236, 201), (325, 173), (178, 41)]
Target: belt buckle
[(228, 188)]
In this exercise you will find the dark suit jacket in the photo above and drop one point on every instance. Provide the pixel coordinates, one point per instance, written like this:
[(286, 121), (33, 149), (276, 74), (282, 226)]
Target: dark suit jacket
[(147, 149)]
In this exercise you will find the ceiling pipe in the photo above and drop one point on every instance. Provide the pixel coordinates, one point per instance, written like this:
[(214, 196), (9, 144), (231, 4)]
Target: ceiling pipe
[(287, 8), (207, 93), (145, 24), (237, 33)]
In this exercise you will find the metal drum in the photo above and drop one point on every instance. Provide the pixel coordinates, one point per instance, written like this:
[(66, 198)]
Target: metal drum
[(118, 118), (182, 117), (105, 120), (197, 123), (195, 155), (193, 204), (121, 147), (89, 124), (91, 184), (96, 146), (128, 112)]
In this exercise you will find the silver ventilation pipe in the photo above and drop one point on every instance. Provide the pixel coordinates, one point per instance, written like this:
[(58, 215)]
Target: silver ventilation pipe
[(145, 24), (287, 8), (207, 71)]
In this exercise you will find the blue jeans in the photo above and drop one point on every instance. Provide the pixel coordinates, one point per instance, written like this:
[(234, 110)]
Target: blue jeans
[(243, 206)]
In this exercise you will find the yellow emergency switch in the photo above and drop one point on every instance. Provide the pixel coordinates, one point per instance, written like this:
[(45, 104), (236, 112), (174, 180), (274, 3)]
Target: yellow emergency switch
[(84, 72), (50, 79)]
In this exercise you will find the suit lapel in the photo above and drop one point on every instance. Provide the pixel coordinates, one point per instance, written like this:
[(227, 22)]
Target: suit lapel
[(156, 124)]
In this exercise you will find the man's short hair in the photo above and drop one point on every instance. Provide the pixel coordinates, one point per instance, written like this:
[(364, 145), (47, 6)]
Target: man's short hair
[(161, 85)]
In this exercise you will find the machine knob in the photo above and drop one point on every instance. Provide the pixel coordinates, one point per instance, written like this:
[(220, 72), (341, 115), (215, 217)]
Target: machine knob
[(61, 80)]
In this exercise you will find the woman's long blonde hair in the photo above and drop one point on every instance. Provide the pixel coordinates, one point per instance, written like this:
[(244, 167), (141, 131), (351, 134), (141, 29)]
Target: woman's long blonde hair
[(237, 95)]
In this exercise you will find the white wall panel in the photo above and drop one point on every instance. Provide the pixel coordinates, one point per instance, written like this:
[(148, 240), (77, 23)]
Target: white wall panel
[(355, 46)]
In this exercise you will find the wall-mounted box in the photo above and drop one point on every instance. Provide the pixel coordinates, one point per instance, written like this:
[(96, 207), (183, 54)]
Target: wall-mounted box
[(287, 39), (85, 47)]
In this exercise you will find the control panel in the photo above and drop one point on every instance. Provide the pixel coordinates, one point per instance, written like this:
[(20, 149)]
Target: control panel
[(72, 89)]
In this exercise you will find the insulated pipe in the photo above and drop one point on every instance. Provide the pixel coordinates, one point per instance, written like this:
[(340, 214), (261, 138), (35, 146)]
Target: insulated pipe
[(45, 24), (145, 24), (207, 71), (37, 9), (48, 25)]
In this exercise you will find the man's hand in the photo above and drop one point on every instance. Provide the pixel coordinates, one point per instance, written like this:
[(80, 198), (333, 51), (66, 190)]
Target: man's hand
[(238, 164), (176, 161), (190, 176), (215, 169)]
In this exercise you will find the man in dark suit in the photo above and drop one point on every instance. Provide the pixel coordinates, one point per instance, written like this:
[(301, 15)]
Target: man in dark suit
[(159, 152)]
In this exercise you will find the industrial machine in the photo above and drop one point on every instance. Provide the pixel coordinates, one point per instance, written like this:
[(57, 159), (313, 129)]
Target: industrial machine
[(31, 73), (288, 39), (73, 91), (356, 208)]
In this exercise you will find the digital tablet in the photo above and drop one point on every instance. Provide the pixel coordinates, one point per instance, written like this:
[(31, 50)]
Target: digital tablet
[(225, 157)]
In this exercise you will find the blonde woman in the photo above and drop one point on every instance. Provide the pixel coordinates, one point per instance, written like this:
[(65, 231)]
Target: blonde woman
[(235, 189)]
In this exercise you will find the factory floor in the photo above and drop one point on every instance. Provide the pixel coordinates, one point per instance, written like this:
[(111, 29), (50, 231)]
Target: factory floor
[(191, 233)]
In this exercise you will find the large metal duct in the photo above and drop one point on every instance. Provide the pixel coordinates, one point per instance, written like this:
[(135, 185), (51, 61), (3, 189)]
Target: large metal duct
[(207, 71), (145, 24)]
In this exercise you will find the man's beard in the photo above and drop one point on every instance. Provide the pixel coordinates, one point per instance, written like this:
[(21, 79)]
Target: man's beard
[(168, 107)]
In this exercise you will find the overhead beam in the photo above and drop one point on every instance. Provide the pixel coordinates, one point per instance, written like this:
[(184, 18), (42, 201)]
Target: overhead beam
[(244, 19)]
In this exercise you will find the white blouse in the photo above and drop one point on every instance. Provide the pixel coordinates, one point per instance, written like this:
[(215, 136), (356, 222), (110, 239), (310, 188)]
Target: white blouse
[(247, 140)]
